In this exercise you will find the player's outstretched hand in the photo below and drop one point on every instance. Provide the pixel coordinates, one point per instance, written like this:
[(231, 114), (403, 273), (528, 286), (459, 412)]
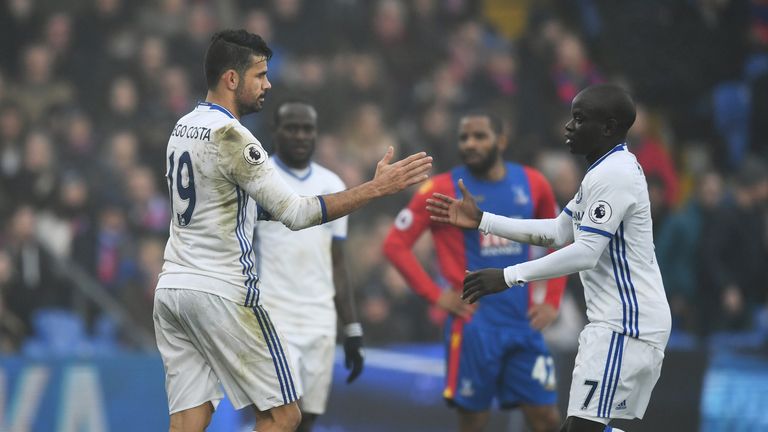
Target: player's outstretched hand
[(483, 282), (394, 177), (463, 213), (353, 356), (542, 315)]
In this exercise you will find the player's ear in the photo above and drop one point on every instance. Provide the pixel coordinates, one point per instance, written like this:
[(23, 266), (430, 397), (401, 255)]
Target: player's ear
[(502, 142), (231, 79), (610, 127)]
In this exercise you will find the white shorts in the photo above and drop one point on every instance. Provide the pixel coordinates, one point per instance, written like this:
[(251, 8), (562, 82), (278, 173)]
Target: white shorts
[(312, 356), (613, 377), (206, 340)]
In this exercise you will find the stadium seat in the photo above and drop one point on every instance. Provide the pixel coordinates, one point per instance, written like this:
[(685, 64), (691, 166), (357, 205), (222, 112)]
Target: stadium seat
[(756, 66), (731, 111), (57, 332)]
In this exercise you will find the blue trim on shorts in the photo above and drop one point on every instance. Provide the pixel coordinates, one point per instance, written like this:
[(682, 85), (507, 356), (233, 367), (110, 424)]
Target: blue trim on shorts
[(618, 372), (605, 376), (271, 352)]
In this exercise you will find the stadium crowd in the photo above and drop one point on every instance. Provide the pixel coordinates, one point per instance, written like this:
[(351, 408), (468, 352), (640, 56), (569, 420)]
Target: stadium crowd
[(90, 90)]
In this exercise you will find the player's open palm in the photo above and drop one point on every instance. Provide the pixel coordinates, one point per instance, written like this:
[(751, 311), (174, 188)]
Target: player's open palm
[(391, 178), (463, 213), (483, 282)]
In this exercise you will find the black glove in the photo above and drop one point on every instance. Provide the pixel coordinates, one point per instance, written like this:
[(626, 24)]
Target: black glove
[(353, 351)]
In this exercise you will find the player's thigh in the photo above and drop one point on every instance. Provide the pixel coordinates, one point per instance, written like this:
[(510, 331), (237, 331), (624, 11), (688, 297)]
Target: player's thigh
[(315, 367), (244, 349), (474, 364), (613, 376), (640, 371), (189, 379), (528, 374)]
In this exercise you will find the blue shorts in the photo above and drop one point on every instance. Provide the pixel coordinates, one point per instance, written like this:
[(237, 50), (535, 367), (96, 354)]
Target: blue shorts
[(484, 363)]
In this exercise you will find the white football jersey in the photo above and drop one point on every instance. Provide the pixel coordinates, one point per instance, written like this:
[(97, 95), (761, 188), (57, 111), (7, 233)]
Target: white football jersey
[(216, 169), (296, 268), (624, 292)]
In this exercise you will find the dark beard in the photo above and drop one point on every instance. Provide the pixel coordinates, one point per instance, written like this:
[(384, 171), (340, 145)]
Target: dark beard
[(482, 168), (245, 108)]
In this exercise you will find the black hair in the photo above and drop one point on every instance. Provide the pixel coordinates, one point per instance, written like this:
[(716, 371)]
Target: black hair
[(289, 101), (612, 101), (496, 123), (232, 49)]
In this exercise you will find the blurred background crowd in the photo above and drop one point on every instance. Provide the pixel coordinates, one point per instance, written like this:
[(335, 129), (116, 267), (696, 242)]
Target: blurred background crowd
[(90, 90)]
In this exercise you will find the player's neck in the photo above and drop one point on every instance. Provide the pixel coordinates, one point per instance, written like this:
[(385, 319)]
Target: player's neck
[(495, 173), (223, 101), (600, 152)]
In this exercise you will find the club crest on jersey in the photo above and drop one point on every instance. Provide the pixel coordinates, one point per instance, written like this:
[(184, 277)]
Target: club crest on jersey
[(600, 212), (253, 154), (520, 197), (404, 219)]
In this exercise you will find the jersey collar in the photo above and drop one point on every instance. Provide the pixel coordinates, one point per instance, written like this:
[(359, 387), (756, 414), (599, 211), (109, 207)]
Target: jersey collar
[(217, 107), (292, 171), (620, 147)]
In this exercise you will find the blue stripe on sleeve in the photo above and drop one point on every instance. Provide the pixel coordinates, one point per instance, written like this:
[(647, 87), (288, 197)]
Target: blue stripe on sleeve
[(323, 209), (596, 231), (568, 211)]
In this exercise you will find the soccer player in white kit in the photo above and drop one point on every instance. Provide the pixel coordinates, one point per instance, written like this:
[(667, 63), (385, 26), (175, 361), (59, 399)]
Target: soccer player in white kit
[(210, 325), (606, 235), (304, 300)]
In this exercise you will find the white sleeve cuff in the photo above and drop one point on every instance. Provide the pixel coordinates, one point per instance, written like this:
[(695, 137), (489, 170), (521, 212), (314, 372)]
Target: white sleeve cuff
[(511, 276), (486, 222)]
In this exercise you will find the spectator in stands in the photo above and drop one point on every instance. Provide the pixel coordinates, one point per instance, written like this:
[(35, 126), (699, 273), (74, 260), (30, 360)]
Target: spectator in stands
[(38, 90), (734, 255), (35, 281), (679, 246)]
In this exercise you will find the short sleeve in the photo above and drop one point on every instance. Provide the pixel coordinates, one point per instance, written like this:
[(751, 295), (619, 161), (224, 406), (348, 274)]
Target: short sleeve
[(608, 198), (242, 159)]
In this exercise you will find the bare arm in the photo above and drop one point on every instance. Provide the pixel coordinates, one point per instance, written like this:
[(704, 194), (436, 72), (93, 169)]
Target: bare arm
[(389, 179)]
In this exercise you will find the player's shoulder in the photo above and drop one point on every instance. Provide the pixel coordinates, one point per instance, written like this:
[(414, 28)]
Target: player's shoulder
[(235, 140), (619, 171)]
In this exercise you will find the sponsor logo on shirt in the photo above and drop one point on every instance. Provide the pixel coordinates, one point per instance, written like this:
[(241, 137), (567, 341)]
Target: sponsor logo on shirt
[(493, 245), (466, 388)]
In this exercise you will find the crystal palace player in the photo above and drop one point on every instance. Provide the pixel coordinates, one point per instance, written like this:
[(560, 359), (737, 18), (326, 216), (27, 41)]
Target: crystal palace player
[(495, 350), (608, 226)]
